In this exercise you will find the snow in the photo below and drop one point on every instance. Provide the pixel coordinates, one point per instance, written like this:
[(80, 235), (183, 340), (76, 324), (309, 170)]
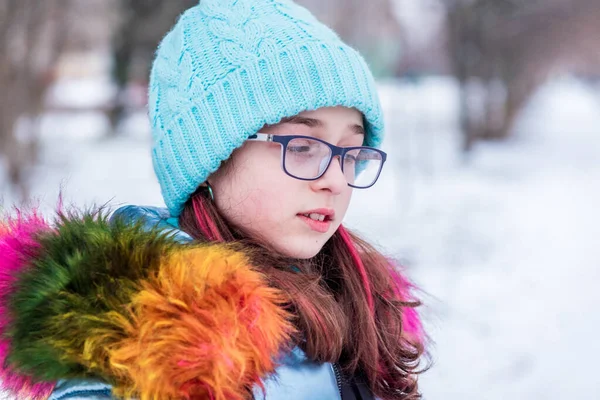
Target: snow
[(503, 243), (505, 247), (83, 93)]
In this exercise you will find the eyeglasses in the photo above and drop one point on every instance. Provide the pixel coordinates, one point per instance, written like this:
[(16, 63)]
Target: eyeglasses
[(308, 158)]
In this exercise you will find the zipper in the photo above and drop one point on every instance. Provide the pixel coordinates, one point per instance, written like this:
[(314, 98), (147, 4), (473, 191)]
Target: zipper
[(338, 376)]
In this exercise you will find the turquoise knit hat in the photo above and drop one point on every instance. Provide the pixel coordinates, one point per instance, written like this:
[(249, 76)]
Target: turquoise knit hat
[(228, 67)]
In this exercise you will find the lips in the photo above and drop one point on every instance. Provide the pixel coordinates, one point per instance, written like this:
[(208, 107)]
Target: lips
[(319, 214), (318, 220)]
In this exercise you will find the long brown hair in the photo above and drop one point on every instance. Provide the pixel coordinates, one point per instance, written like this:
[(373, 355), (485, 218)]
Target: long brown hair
[(348, 304)]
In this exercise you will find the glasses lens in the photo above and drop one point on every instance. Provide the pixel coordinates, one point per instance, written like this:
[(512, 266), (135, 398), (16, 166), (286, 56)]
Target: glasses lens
[(306, 158), (362, 167)]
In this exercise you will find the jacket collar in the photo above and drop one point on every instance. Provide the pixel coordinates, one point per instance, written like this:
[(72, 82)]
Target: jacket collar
[(152, 218), (134, 302)]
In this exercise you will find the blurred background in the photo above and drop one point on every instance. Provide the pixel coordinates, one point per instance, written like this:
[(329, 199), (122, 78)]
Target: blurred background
[(490, 197)]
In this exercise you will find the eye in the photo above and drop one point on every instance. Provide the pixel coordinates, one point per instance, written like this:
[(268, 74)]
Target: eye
[(350, 158), (304, 147), (298, 148)]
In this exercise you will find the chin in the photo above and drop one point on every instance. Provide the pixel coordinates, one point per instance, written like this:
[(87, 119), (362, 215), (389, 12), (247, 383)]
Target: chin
[(305, 255), (305, 252)]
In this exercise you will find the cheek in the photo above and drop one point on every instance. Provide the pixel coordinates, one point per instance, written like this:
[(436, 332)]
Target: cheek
[(255, 197), (343, 201), (270, 193)]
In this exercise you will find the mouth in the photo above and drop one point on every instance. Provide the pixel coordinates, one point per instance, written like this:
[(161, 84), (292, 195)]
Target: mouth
[(318, 220), (319, 214)]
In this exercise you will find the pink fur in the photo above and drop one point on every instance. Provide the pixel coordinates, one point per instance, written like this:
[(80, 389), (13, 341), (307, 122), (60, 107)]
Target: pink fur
[(17, 247)]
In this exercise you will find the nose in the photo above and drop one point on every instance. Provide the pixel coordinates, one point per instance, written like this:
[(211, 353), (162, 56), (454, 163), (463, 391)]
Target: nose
[(333, 179)]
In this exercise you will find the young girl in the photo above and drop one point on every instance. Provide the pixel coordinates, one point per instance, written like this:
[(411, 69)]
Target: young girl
[(247, 285)]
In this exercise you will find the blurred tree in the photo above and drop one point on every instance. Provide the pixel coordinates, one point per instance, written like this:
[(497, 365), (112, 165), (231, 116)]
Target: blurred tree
[(502, 50), (370, 27), (32, 36), (142, 24)]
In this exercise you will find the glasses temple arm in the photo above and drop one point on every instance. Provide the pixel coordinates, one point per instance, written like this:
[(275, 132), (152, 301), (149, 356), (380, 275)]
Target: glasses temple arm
[(261, 137)]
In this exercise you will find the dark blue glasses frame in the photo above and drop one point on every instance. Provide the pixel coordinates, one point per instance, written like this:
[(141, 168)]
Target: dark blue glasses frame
[(335, 151)]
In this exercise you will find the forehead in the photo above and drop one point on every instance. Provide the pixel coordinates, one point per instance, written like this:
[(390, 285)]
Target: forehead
[(342, 121), (335, 114)]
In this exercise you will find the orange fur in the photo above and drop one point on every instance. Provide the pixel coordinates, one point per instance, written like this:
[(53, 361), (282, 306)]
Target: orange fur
[(206, 325)]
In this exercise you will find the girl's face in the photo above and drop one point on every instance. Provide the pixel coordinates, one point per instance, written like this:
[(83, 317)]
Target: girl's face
[(257, 196)]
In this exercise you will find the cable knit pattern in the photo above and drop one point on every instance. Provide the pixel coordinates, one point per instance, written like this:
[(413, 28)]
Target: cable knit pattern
[(228, 67)]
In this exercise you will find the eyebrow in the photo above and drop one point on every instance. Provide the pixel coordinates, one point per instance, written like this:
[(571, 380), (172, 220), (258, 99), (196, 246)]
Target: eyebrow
[(358, 129), (298, 120), (317, 123)]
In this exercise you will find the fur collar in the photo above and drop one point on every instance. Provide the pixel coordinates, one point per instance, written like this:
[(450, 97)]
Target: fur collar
[(137, 306)]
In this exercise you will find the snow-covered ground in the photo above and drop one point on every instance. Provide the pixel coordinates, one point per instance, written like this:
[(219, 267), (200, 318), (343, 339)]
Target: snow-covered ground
[(506, 247), (504, 244)]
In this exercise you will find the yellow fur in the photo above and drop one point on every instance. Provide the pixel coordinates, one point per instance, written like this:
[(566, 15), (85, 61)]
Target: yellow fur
[(206, 325)]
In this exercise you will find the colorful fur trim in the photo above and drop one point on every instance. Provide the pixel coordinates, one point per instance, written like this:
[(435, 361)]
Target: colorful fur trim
[(154, 318), (205, 326), (17, 248)]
